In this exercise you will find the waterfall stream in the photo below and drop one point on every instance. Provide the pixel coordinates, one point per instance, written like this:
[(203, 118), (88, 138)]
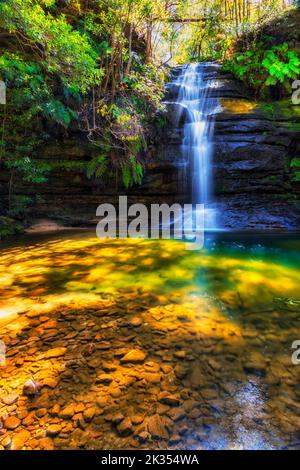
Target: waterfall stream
[(195, 84)]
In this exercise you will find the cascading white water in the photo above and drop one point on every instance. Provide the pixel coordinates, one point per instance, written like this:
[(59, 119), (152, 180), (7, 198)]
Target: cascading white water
[(195, 84)]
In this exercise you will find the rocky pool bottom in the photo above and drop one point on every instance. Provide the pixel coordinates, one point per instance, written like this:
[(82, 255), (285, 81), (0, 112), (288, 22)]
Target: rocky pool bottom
[(146, 345)]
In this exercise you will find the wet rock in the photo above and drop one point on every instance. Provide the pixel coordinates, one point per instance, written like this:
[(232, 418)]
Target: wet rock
[(194, 414), (42, 401), (157, 427), (19, 440), (102, 401), (51, 382), (170, 400), (54, 353), (188, 405), (153, 378), (273, 380), (117, 418), (151, 366), (104, 379), (89, 414), (46, 444), (55, 410), (115, 392), (120, 352), (94, 363), (197, 377), (182, 429), (135, 356), (10, 399), (175, 439), (109, 367), (177, 114), (135, 322), (89, 349), (180, 354), (162, 409), (137, 419), (29, 420), (6, 442), (208, 394), (125, 427), (53, 430), (181, 371), (41, 412), (31, 388), (143, 436), (68, 412), (256, 365), (176, 414), (166, 369), (12, 422), (215, 365)]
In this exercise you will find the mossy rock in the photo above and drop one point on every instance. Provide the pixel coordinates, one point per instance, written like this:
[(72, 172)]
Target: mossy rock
[(283, 110), (9, 227)]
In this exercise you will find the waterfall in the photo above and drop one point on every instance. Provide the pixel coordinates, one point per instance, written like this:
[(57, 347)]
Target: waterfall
[(195, 84)]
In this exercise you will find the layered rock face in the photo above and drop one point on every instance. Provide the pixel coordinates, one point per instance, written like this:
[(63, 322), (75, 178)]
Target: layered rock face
[(253, 147), (68, 196)]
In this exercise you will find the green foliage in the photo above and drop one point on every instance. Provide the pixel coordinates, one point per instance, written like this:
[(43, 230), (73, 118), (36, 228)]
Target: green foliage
[(262, 67), (295, 166), (295, 163), (59, 48), (97, 167), (20, 206), (99, 67), (56, 110), (281, 64), (297, 176), (132, 172), (73, 64), (32, 171), (9, 227)]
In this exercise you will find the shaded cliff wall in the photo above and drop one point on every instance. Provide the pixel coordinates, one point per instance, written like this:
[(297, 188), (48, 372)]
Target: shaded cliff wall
[(68, 194)]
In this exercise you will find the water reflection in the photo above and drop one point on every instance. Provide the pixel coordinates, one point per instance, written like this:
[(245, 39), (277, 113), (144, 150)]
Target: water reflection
[(216, 327)]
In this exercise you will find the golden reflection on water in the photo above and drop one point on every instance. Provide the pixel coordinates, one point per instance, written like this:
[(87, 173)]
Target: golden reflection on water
[(80, 271), (238, 106), (216, 309)]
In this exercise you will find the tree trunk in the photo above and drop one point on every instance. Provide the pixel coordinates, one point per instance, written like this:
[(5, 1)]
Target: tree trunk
[(128, 68), (149, 42)]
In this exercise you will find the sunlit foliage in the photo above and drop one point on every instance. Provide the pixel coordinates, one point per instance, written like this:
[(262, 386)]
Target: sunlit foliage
[(263, 66), (100, 67)]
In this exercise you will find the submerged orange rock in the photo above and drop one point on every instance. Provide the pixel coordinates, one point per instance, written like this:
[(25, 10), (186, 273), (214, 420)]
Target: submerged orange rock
[(134, 356)]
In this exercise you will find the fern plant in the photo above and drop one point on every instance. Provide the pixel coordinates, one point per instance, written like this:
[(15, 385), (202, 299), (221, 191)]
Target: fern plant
[(97, 167), (281, 64), (263, 67), (132, 172)]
